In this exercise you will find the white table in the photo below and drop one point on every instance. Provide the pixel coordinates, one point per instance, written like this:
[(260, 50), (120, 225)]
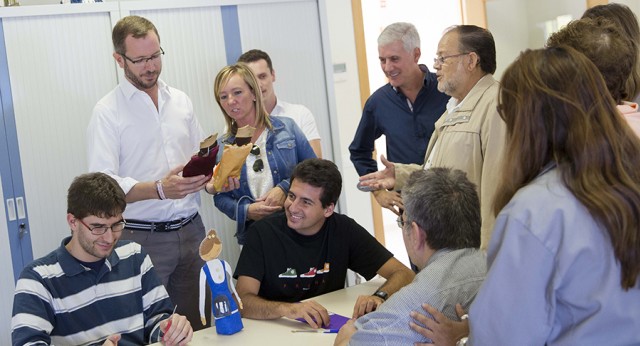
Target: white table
[(278, 332)]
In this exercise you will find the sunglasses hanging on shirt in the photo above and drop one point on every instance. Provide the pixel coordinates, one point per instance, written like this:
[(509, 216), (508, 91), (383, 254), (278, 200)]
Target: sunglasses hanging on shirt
[(258, 165)]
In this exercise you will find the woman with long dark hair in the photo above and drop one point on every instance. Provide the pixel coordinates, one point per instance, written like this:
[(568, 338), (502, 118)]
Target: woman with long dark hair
[(564, 256)]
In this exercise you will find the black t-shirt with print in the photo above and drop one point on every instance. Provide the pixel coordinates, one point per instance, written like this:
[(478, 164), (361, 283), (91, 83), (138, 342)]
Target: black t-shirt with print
[(292, 267)]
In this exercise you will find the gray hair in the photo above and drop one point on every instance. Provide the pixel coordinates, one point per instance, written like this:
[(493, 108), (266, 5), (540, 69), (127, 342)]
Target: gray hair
[(445, 204), (405, 32)]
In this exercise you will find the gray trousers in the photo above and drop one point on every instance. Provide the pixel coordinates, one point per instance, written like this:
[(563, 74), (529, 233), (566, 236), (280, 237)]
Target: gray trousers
[(177, 262)]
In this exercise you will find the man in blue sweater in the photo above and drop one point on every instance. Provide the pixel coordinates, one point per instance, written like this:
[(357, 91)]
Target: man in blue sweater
[(404, 110), (94, 289)]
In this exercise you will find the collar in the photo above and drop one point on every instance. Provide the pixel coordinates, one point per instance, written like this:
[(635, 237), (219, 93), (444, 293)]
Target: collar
[(129, 89), (437, 255), (278, 107), (627, 107), (547, 168), (72, 267), (425, 78), (473, 97)]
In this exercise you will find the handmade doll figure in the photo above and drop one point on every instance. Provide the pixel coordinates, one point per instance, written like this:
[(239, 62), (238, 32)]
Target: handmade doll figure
[(225, 311), (203, 161)]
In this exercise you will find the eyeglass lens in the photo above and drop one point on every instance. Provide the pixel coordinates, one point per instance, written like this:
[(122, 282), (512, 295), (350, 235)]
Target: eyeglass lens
[(100, 230), (400, 222), (115, 228), (258, 165)]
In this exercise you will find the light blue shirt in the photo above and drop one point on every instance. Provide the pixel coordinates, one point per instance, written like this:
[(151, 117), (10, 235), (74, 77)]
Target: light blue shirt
[(553, 278), (450, 277)]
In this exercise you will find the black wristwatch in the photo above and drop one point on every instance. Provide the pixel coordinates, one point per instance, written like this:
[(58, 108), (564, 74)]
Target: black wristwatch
[(381, 294)]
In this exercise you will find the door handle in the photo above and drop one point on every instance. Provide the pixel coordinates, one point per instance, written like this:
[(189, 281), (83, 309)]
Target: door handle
[(11, 209), (20, 207)]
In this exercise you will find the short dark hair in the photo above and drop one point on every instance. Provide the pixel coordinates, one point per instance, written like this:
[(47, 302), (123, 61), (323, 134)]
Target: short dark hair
[(320, 173), (95, 194), (604, 43), (480, 41), (135, 26), (445, 204), (255, 55)]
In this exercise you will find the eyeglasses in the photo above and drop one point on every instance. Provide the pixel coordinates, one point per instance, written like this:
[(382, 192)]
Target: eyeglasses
[(442, 59), (144, 61), (401, 223), (258, 165), (100, 230)]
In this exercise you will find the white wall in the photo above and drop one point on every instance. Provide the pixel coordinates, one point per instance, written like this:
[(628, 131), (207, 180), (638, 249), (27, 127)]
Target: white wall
[(508, 22), (354, 203), (519, 24)]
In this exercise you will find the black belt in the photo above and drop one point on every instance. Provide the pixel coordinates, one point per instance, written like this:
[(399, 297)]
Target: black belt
[(169, 226)]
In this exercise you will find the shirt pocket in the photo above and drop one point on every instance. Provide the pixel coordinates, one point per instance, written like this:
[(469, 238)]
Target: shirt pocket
[(286, 154)]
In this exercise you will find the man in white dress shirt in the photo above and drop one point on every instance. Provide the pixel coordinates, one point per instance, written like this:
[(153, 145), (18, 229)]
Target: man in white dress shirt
[(260, 63), (142, 133)]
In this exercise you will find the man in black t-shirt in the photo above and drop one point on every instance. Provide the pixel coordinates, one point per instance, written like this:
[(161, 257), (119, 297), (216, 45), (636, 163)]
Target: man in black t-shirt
[(306, 251)]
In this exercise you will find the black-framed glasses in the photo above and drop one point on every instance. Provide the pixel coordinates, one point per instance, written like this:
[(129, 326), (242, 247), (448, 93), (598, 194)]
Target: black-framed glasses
[(258, 165), (100, 230), (144, 61), (400, 221), (442, 59)]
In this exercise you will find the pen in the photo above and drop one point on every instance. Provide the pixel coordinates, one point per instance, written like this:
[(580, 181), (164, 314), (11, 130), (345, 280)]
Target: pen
[(326, 331), (169, 323)]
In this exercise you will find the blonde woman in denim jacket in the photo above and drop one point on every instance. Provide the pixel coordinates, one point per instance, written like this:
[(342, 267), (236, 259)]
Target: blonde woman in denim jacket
[(279, 145)]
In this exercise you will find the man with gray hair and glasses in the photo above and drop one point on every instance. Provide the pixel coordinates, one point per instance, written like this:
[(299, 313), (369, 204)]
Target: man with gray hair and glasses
[(441, 231), (404, 110)]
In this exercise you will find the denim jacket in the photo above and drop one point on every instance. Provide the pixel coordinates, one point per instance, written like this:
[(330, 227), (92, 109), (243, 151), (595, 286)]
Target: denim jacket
[(286, 146)]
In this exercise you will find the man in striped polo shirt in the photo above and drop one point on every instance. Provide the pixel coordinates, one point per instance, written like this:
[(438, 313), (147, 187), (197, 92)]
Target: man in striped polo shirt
[(94, 289)]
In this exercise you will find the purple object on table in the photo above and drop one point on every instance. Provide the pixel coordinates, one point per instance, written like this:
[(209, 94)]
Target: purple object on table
[(335, 322)]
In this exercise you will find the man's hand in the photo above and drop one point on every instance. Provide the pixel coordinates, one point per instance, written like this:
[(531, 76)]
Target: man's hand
[(390, 200), (112, 340), (179, 332), (380, 180), (441, 330), (311, 311), (258, 210), (232, 184), (345, 333), (275, 197), (366, 304), (177, 187)]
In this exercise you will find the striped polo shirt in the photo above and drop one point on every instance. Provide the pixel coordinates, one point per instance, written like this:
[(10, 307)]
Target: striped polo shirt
[(59, 301)]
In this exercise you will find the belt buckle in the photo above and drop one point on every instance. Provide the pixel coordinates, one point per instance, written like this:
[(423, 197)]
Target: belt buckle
[(158, 227)]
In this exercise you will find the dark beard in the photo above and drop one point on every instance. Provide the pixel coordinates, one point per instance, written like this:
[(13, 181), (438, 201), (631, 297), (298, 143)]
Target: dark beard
[(137, 82)]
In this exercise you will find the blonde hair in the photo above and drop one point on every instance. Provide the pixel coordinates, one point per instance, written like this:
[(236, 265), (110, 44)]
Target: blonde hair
[(242, 70)]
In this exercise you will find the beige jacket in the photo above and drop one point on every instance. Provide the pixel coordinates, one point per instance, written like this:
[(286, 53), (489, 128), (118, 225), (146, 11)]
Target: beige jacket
[(470, 139)]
